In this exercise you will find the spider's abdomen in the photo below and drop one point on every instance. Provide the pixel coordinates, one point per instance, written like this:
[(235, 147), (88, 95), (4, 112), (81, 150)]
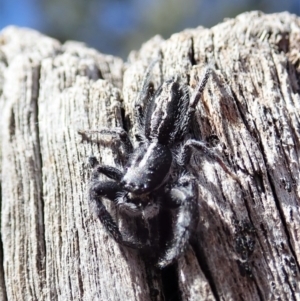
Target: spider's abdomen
[(148, 168), (166, 114)]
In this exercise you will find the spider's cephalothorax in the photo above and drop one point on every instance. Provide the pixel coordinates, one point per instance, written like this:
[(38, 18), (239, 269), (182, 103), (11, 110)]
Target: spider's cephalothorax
[(155, 177)]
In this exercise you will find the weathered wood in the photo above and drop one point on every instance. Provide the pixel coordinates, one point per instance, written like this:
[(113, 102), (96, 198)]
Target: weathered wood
[(247, 243)]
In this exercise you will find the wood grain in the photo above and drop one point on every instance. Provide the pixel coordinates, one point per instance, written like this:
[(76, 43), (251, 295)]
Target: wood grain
[(247, 244)]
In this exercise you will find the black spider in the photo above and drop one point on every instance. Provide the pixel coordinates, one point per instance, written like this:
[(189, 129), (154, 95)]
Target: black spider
[(155, 176)]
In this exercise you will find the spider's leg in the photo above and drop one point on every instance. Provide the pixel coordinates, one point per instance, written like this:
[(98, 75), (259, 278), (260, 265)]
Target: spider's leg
[(144, 97), (199, 89), (188, 106), (109, 171), (139, 107), (183, 195), (187, 150), (112, 191), (108, 189), (118, 134)]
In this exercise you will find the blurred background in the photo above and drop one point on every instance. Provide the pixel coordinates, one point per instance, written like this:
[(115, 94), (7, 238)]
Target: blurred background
[(119, 26)]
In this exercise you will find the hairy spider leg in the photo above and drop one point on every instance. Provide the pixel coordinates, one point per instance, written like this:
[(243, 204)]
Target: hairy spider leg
[(118, 134), (184, 195), (187, 107), (199, 90), (111, 191), (144, 97), (187, 150), (108, 189), (139, 107)]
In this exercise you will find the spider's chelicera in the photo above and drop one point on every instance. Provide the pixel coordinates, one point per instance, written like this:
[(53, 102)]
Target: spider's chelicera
[(156, 174)]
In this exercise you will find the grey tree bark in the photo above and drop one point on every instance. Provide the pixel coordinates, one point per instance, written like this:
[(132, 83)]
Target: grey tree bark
[(247, 244)]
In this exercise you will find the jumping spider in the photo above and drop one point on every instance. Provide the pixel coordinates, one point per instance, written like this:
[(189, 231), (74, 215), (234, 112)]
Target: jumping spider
[(156, 176)]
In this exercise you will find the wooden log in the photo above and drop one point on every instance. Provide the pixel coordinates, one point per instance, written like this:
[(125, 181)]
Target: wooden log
[(246, 246)]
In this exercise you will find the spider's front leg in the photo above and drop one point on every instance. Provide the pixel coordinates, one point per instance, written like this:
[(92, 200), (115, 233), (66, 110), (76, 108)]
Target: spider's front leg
[(183, 195), (110, 190), (139, 107)]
